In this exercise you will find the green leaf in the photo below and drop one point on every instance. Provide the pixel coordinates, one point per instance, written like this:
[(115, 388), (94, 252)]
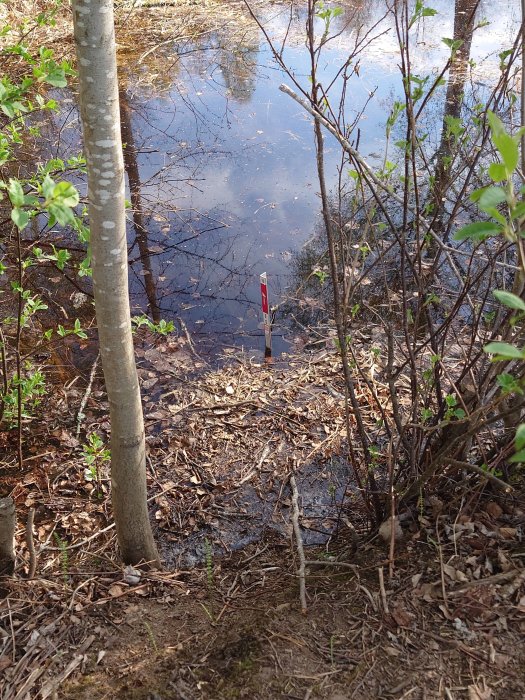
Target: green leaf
[(497, 172), (504, 142), (504, 351), (490, 197), (20, 218), (16, 193), (520, 437), (496, 125), (509, 384), (509, 151), (66, 194), (478, 231), (518, 457), (512, 301), (453, 44), (48, 185), (56, 77), (63, 215), (519, 211)]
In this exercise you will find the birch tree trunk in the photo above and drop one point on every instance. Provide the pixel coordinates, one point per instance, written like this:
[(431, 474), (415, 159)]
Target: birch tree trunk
[(99, 107)]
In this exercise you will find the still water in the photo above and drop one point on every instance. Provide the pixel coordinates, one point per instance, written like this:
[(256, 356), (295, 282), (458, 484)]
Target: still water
[(222, 167)]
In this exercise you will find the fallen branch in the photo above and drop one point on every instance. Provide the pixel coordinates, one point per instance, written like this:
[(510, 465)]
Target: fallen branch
[(80, 414), (299, 541), (506, 488), (382, 589), (30, 543)]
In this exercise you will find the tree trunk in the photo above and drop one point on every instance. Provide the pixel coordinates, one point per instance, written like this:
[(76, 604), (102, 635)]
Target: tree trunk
[(7, 536), (99, 107)]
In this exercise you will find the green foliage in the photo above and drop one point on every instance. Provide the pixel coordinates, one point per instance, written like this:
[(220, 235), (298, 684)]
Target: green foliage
[(452, 410), (95, 455), (76, 330), (420, 11), (397, 110), (453, 44), (32, 387), (501, 204), (509, 384), (320, 274), (162, 327), (327, 14)]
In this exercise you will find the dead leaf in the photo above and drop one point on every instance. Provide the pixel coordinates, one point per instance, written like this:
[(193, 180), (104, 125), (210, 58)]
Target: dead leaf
[(494, 509), (508, 533), (416, 578), (132, 576), (115, 590), (401, 616), (391, 651), (477, 693), (430, 591)]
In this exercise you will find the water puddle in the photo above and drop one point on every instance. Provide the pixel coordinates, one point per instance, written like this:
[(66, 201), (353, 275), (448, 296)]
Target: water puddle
[(225, 163), (221, 164)]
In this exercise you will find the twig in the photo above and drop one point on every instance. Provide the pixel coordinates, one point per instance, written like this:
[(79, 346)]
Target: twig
[(299, 542), (80, 414), (331, 562), (392, 512), (382, 589), (31, 543), (265, 453), (507, 488), (190, 341), (442, 568)]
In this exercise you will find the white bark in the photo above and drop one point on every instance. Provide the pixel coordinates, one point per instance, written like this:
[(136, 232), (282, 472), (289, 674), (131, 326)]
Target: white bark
[(95, 47)]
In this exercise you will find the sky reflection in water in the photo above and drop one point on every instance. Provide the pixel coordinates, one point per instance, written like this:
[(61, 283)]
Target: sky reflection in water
[(227, 161)]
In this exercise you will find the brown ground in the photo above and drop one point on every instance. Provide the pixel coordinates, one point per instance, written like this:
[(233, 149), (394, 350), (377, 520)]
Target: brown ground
[(449, 624)]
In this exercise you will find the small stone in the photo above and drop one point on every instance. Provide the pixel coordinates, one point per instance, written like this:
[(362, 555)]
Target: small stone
[(385, 530)]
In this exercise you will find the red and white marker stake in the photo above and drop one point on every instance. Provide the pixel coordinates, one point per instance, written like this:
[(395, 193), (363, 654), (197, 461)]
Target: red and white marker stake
[(266, 316)]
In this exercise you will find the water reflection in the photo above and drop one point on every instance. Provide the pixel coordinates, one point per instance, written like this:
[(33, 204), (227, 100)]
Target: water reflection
[(221, 165), (227, 163), (464, 23)]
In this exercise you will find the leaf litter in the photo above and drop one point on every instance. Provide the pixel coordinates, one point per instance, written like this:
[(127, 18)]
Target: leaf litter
[(221, 443)]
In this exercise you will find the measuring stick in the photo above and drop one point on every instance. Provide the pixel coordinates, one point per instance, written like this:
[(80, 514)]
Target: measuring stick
[(266, 316)]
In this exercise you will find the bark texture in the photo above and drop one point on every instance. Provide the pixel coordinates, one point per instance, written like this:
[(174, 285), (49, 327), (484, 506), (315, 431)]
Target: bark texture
[(99, 106), (7, 536)]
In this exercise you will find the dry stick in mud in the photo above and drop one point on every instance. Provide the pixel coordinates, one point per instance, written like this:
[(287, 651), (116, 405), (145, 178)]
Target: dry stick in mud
[(31, 544), (299, 542), (99, 106)]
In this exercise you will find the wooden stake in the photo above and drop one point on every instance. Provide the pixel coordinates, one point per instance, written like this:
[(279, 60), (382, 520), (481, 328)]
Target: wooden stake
[(266, 316)]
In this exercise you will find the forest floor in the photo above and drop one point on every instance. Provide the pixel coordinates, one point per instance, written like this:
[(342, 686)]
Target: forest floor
[(223, 620)]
